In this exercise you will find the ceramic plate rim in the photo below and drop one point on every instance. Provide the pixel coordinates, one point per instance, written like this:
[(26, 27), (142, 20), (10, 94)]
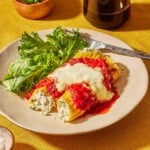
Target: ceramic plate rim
[(107, 38)]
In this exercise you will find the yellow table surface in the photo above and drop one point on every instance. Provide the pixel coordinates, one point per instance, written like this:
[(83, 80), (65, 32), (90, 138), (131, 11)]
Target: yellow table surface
[(132, 132)]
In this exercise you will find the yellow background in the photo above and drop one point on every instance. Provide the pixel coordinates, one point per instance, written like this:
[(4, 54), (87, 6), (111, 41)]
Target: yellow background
[(132, 132)]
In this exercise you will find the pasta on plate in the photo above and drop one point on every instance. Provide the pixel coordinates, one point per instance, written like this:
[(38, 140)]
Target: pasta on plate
[(77, 87)]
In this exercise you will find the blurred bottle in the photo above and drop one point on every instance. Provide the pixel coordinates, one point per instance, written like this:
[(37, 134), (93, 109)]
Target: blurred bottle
[(106, 14)]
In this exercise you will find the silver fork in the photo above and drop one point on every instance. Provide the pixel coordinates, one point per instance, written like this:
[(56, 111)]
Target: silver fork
[(99, 45)]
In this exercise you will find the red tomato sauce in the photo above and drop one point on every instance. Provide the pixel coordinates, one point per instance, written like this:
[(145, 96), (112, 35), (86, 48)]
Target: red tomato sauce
[(50, 87), (82, 95), (102, 108)]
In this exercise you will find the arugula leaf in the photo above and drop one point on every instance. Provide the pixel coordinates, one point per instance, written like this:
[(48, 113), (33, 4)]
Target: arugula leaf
[(23, 74), (38, 58)]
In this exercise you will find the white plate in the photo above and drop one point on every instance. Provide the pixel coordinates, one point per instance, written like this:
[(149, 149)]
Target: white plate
[(132, 92)]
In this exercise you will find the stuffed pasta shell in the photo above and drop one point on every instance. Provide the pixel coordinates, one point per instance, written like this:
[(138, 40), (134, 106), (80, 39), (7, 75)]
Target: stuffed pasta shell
[(67, 111), (42, 101), (77, 86), (92, 84), (97, 54)]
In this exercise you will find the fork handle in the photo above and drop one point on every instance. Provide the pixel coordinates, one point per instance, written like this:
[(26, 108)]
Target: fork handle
[(115, 49), (127, 52)]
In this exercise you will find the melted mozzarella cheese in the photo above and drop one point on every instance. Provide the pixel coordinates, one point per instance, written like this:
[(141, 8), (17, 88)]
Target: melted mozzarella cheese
[(79, 73)]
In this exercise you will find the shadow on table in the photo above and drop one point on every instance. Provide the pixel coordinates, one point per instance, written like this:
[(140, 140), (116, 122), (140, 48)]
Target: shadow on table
[(132, 133), (21, 146), (139, 19), (64, 9)]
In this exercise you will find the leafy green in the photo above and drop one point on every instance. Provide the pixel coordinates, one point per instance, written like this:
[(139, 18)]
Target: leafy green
[(38, 58), (31, 1)]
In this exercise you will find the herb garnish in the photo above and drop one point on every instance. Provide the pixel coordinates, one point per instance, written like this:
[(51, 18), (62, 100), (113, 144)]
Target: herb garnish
[(31, 1)]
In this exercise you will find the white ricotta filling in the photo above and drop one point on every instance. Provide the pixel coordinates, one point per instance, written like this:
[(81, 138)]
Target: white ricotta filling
[(63, 111), (42, 102)]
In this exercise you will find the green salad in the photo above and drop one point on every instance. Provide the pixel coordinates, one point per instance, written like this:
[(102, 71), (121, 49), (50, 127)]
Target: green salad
[(37, 58)]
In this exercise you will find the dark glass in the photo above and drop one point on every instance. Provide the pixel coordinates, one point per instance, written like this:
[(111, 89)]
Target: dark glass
[(106, 14)]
